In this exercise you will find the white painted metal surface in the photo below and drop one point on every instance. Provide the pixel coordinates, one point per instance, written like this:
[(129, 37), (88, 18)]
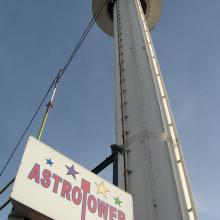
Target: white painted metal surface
[(153, 164), (152, 14), (49, 185)]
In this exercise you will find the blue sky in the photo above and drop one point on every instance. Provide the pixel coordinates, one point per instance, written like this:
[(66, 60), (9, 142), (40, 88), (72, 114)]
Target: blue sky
[(36, 37)]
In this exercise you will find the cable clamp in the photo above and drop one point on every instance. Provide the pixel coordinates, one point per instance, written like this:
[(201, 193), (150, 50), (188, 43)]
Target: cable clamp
[(59, 75), (49, 105)]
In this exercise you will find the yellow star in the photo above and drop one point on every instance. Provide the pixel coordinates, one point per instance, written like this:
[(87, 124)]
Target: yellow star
[(102, 189)]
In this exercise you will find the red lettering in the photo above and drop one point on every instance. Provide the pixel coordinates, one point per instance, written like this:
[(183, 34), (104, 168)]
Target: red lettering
[(66, 190), (92, 204), (121, 215), (76, 195), (112, 213), (85, 186), (45, 181), (57, 180), (102, 209), (35, 173)]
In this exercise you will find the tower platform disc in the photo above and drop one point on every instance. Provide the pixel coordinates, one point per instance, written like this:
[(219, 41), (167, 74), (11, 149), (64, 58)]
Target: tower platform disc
[(151, 8)]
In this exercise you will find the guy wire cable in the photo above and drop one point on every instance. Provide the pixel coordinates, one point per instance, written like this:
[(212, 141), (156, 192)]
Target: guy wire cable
[(49, 106), (27, 128), (59, 75), (85, 33)]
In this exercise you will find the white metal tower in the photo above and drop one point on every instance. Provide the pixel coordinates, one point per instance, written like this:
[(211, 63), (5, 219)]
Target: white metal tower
[(152, 167)]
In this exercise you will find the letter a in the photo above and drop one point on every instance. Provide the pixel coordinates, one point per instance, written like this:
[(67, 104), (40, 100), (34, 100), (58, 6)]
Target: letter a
[(35, 173)]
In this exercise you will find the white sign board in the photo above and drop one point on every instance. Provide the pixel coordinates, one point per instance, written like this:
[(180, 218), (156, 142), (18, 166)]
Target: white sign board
[(59, 188)]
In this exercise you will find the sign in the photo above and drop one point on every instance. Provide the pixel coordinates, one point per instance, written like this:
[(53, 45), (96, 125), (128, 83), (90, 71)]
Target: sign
[(58, 188)]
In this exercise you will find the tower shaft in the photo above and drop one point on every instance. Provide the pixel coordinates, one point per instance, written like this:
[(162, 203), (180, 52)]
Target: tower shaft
[(152, 166)]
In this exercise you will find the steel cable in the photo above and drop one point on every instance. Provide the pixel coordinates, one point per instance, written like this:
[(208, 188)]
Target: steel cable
[(58, 76)]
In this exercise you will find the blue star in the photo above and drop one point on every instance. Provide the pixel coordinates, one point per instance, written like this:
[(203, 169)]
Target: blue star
[(49, 162), (72, 171)]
